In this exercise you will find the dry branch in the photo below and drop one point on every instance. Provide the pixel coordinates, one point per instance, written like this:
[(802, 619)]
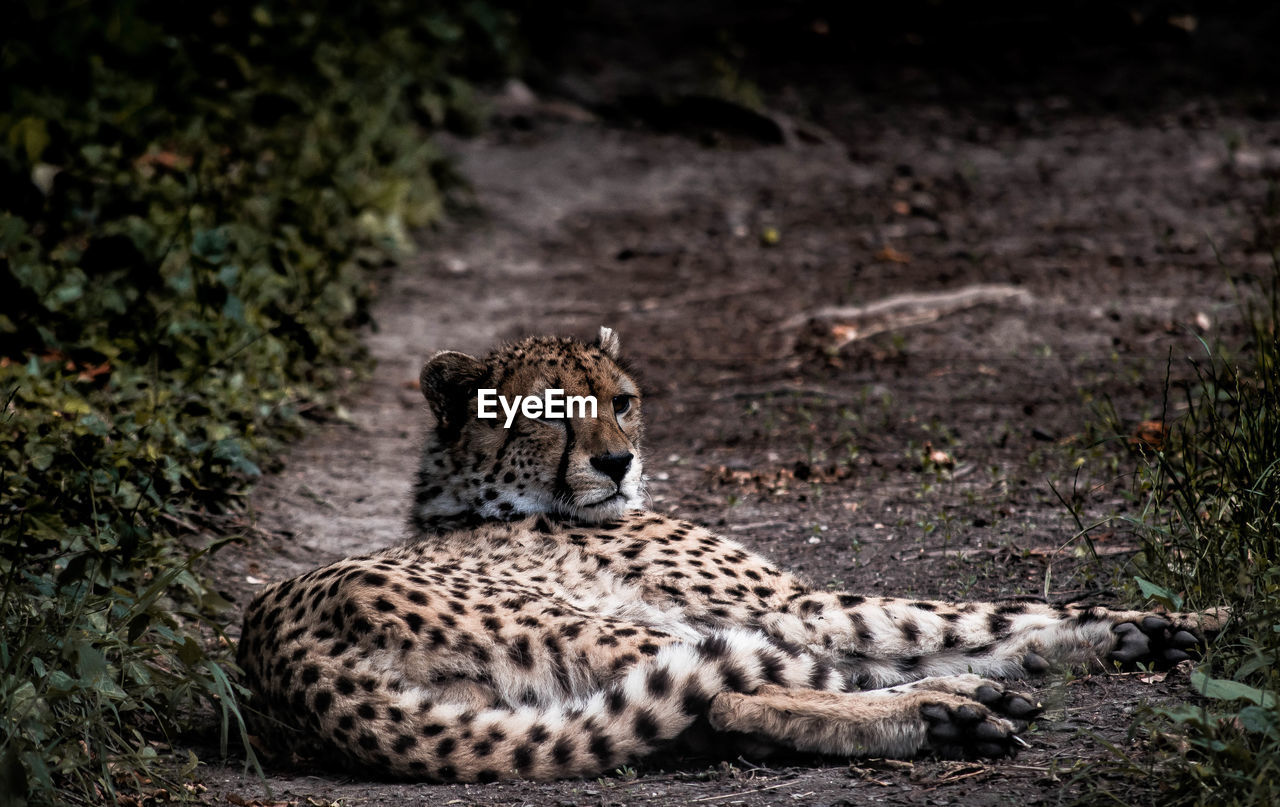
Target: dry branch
[(903, 311)]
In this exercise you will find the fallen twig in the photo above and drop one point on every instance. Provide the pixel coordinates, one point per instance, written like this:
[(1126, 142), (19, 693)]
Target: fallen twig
[(902, 311), (758, 525), (957, 778), (1030, 551), (743, 792)]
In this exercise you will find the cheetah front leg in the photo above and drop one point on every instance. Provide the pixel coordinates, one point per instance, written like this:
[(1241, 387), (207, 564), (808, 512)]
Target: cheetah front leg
[(884, 641), (889, 641), (959, 716)]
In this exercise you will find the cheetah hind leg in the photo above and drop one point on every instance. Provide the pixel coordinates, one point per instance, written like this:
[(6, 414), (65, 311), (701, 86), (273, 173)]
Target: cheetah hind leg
[(951, 720)]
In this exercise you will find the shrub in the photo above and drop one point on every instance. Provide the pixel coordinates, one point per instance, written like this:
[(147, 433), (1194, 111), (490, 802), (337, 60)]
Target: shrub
[(190, 202), (1209, 529)]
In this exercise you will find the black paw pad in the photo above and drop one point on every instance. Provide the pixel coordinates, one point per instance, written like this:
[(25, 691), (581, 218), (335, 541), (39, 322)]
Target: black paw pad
[(1155, 624), (1132, 645)]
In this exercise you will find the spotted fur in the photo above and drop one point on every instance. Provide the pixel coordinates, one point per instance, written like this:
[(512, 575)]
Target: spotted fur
[(542, 625)]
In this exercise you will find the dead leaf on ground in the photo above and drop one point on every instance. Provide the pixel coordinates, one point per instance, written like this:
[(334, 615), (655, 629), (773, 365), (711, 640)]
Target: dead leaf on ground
[(779, 480), (888, 254), (1150, 434), (842, 335), (938, 457), (90, 372), (166, 159)]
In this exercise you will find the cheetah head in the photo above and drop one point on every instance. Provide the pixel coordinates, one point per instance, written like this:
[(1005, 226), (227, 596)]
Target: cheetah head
[(583, 466)]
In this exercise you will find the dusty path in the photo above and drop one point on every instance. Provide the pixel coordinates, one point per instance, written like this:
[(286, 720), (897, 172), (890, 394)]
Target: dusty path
[(809, 442), (345, 489)]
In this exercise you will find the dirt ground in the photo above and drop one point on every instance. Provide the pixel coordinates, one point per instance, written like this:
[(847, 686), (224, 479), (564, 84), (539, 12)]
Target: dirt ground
[(1059, 257)]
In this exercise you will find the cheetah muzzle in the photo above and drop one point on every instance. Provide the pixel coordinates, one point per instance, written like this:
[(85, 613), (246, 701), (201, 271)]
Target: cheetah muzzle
[(541, 625)]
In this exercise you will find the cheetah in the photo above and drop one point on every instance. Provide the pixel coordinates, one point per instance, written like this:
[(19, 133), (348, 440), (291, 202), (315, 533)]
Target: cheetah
[(542, 624)]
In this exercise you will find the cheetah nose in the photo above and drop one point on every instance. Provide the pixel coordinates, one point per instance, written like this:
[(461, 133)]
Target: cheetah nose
[(613, 465)]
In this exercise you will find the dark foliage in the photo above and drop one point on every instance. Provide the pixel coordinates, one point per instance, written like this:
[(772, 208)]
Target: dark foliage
[(190, 197), (1209, 528)]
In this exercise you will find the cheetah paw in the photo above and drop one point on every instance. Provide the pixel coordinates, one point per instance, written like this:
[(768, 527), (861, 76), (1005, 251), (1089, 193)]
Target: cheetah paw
[(968, 731), (1017, 707), (1153, 640)]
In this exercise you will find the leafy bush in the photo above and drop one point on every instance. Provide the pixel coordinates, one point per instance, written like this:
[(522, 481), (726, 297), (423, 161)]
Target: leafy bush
[(1210, 535), (189, 204)]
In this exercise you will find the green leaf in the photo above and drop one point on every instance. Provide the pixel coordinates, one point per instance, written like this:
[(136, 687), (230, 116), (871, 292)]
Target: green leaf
[(32, 135), (1160, 594), (40, 455), (1226, 690), (1259, 720), (137, 626), (228, 275), (1263, 661), (231, 450), (190, 652), (233, 309), (91, 664), (59, 682), (211, 244)]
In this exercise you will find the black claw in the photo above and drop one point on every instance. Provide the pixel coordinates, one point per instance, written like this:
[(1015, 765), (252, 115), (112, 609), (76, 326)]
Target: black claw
[(934, 713), (1035, 663), (1184, 639), (1174, 655), (988, 695)]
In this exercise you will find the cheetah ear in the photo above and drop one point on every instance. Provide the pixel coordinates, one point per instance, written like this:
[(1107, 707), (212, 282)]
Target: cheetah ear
[(609, 342), (447, 380)]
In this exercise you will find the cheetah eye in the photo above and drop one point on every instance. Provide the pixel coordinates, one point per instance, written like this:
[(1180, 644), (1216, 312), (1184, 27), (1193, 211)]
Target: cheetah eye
[(622, 404)]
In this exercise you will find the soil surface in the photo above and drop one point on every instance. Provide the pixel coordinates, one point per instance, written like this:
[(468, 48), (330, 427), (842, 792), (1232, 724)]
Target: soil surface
[(1057, 260)]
